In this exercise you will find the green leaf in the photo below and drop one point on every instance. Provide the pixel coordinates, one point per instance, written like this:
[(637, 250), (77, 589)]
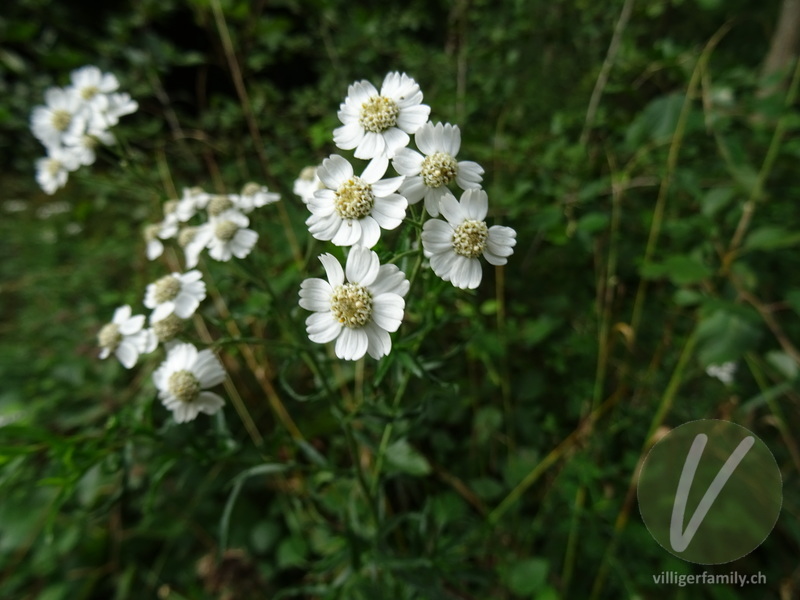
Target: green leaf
[(404, 458), (770, 238), (783, 363), (527, 576), (679, 269), (715, 200), (724, 336)]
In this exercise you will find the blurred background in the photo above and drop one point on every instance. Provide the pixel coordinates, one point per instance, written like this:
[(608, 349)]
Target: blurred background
[(646, 153)]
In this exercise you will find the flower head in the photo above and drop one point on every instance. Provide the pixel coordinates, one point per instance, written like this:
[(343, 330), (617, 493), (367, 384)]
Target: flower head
[(126, 337), (379, 124), (307, 184), (428, 176), (52, 172), (351, 209), (453, 246), (182, 381), (226, 235), (358, 313), (254, 196), (176, 293)]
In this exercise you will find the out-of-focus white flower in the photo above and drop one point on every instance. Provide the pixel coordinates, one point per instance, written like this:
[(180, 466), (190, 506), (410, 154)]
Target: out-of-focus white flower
[(352, 210), (50, 123), (227, 235), (724, 372), (453, 246), (176, 293), (92, 86), (84, 138), (379, 124), (428, 176), (254, 196), (183, 379), (308, 183), (117, 105), (52, 172), (126, 337), (360, 313), (193, 200)]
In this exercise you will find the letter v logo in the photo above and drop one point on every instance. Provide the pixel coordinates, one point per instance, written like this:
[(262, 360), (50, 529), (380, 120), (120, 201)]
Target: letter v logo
[(680, 540)]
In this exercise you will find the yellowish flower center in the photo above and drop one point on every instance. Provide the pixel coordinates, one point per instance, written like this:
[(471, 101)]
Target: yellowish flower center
[(109, 336), (53, 167), (184, 386), (469, 238), (225, 230), (378, 114), (354, 199), (219, 204), (166, 329), (61, 119), (167, 288), (251, 189), (151, 231), (351, 304), (170, 206), (89, 92), (438, 169), (186, 235)]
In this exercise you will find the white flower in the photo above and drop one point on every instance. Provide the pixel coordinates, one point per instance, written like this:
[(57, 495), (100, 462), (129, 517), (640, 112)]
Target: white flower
[(193, 199), (308, 183), (117, 105), (176, 293), (724, 372), (428, 176), (50, 123), (52, 172), (352, 210), (378, 124), (155, 232), (84, 138), (358, 314), (254, 196), (453, 246), (193, 240), (182, 380), (91, 85), (126, 338), (226, 235)]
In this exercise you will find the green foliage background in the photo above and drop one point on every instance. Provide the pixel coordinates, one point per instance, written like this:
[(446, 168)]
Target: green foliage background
[(518, 413)]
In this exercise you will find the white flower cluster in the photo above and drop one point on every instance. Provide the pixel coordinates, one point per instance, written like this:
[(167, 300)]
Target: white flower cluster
[(74, 121), (224, 233), (186, 373), (351, 210)]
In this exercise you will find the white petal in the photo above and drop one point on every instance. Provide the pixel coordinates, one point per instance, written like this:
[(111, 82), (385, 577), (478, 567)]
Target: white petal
[(123, 313), (390, 279), (466, 273), (413, 189), (443, 264), (475, 204), (322, 327), (425, 139), (185, 305), (349, 233), (407, 161), (433, 199), (208, 369), (351, 344), (333, 269), (370, 232), (324, 228), (387, 311), (384, 187), (379, 341), (315, 294), (390, 211), (348, 136), (469, 175), (451, 139), (162, 311), (132, 325), (395, 139), (127, 354), (371, 145), (375, 169), (209, 402), (412, 118), (452, 210), (501, 240), (362, 266), (334, 170)]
